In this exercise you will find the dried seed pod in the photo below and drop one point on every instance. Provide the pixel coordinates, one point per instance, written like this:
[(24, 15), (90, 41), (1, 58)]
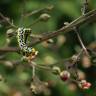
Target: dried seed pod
[(33, 89), (39, 87)]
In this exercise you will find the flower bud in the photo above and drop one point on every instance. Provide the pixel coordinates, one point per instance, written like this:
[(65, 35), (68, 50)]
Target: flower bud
[(84, 84), (56, 70), (64, 75), (49, 8), (74, 58), (8, 40), (44, 17), (10, 32), (87, 85), (50, 41), (66, 23)]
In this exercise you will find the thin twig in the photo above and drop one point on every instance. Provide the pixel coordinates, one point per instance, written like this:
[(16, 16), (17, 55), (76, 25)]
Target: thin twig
[(85, 8), (10, 49), (50, 7), (33, 23), (7, 20), (10, 63), (47, 67), (87, 18), (80, 40), (33, 71), (76, 65)]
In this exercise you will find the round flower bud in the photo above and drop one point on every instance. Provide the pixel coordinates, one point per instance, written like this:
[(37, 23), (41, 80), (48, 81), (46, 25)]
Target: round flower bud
[(8, 40), (44, 17), (64, 75), (49, 8), (84, 84), (10, 32), (50, 41), (66, 23), (74, 58), (56, 70), (87, 85)]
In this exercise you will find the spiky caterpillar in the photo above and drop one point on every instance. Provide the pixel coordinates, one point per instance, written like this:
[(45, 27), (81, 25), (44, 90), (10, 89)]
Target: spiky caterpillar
[(21, 37)]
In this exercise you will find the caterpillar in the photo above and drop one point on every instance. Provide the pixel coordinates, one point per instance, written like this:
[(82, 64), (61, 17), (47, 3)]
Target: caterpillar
[(21, 34)]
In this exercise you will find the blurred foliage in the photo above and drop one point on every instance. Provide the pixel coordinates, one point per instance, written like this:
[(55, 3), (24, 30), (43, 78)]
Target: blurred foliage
[(63, 47)]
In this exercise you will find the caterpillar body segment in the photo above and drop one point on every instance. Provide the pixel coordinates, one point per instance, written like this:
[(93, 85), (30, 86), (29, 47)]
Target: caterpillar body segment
[(21, 32)]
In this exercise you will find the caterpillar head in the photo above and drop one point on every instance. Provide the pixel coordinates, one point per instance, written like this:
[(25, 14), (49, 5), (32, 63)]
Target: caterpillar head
[(31, 54)]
